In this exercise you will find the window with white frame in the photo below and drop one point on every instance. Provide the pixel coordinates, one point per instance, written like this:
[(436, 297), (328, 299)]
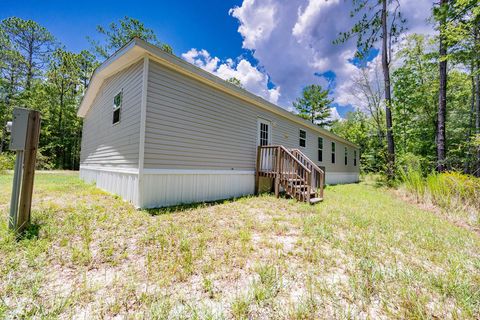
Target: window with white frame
[(346, 156), (117, 107), (333, 152), (320, 149), (303, 138), (264, 132)]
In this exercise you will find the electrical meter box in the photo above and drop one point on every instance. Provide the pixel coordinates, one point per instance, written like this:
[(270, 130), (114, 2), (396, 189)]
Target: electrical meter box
[(19, 129)]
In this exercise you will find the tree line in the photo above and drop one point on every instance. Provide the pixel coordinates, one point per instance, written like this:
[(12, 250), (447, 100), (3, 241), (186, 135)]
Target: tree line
[(38, 72), (420, 102)]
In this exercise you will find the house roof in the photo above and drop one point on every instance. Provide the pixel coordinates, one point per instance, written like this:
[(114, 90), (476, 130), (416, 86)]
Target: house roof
[(136, 49)]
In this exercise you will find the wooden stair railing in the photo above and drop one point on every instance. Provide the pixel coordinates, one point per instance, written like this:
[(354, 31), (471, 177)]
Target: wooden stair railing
[(318, 175), (289, 171)]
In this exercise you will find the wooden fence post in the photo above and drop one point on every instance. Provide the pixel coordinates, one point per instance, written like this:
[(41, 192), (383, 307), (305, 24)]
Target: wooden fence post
[(278, 173), (257, 169), (30, 157)]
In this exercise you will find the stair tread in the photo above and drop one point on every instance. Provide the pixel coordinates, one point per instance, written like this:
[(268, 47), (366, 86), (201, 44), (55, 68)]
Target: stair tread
[(292, 178), (315, 200), (305, 192)]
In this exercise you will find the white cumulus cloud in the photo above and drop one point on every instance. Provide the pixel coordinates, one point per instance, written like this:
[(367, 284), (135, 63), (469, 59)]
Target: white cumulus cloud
[(292, 42), (251, 78), (299, 43)]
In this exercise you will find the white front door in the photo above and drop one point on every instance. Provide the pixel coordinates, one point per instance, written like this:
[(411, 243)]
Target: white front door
[(264, 137)]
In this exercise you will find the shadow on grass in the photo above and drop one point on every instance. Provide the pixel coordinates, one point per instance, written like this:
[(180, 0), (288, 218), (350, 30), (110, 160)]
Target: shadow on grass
[(191, 206), (379, 181), (30, 233)]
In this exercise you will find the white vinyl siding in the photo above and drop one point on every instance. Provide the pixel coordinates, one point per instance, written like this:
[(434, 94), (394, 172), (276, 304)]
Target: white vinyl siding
[(104, 144), (190, 125)]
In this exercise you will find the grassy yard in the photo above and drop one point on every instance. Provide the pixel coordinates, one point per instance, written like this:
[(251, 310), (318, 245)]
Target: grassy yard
[(362, 253)]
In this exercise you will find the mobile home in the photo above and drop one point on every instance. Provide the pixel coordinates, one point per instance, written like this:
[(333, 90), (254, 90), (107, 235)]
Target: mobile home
[(159, 131)]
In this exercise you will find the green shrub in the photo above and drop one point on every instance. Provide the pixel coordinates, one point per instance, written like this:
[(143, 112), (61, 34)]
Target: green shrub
[(7, 161), (43, 162)]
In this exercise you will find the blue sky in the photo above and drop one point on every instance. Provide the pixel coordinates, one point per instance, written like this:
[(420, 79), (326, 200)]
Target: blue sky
[(184, 25), (274, 47)]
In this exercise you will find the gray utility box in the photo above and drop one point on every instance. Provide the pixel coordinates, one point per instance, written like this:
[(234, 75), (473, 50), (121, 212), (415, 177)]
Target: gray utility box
[(19, 129)]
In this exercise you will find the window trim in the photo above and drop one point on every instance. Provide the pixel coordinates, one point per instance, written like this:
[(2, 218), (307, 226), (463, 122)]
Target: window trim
[(259, 126), (333, 159), (320, 149), (300, 138), (117, 108)]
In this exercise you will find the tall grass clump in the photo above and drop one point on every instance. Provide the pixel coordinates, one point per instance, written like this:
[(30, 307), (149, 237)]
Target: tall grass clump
[(411, 174), (452, 191)]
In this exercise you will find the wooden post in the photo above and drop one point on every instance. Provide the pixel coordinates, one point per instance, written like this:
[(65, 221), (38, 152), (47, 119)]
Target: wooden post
[(277, 176), (309, 187), (30, 156), (322, 183), (257, 169)]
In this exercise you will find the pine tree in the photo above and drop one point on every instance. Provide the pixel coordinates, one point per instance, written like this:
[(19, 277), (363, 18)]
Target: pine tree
[(314, 105)]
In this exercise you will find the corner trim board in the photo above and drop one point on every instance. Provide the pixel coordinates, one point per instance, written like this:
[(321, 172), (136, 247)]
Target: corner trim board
[(143, 120)]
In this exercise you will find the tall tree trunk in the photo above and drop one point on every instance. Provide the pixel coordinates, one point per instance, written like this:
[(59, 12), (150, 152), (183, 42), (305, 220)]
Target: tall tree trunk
[(4, 133), (467, 165), (442, 96), (477, 118), (476, 42), (61, 149), (388, 99), (29, 66)]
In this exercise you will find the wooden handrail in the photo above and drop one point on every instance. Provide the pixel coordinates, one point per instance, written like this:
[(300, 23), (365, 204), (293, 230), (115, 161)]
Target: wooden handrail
[(291, 169), (308, 160), (317, 182), (287, 152)]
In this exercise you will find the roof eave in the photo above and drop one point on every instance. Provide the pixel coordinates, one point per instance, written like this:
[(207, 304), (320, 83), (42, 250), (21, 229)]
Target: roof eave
[(106, 69)]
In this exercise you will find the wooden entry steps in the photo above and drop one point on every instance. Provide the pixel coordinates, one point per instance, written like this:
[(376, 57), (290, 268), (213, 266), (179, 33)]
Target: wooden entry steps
[(299, 177)]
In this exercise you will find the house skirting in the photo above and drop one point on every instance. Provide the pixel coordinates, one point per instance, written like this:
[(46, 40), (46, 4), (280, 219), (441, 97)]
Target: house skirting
[(341, 177), (170, 187), (119, 181), (166, 187)]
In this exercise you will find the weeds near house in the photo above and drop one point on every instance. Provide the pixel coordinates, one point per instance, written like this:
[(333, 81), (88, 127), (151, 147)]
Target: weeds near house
[(241, 307), (268, 284), (458, 195), (361, 253)]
